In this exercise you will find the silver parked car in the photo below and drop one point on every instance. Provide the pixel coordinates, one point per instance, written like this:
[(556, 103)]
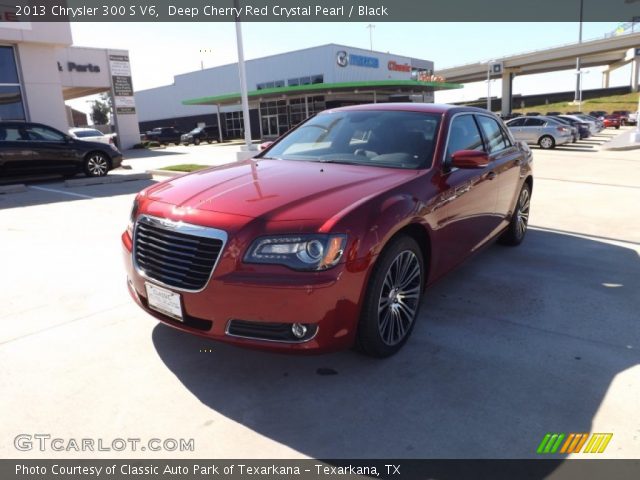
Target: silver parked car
[(539, 130), (594, 127)]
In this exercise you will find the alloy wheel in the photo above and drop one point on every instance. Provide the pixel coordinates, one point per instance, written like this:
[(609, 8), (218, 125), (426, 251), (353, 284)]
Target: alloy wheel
[(522, 215), (399, 297), (97, 165), (546, 142)]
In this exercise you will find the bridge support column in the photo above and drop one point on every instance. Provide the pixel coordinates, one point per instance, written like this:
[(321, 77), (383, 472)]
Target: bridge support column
[(507, 92), (605, 78), (635, 74)]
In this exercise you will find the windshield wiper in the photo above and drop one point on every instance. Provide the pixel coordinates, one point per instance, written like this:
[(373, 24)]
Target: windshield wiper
[(333, 160)]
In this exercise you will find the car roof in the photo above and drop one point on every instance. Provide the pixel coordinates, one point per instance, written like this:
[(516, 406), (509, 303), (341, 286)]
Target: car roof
[(18, 123), (441, 108), (531, 117), (84, 129)]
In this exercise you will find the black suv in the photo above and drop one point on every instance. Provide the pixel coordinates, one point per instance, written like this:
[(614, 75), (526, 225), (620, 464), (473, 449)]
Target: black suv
[(164, 135), (34, 148), (201, 134)]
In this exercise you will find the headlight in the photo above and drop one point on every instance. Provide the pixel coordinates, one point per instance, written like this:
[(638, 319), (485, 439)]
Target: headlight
[(132, 217), (299, 252)]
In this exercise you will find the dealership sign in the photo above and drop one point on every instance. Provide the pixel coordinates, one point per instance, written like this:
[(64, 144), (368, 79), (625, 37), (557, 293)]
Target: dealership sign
[(121, 84), (344, 59), (397, 67), (75, 67)]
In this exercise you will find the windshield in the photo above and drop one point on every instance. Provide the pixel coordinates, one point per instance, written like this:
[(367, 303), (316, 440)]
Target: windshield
[(394, 139), (196, 130), (88, 133)]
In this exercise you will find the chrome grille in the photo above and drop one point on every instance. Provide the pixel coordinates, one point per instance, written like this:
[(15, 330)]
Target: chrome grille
[(176, 254)]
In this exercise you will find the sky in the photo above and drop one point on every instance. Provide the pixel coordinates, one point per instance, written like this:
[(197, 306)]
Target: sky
[(159, 51)]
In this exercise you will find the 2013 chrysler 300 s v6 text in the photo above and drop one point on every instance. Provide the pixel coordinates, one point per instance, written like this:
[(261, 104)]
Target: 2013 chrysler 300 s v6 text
[(328, 238)]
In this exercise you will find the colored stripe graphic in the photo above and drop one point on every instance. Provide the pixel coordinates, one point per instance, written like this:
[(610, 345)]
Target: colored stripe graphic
[(574, 442), (598, 442), (550, 443)]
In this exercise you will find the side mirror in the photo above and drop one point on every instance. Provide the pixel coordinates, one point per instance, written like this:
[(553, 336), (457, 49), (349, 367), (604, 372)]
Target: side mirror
[(265, 145), (469, 159)]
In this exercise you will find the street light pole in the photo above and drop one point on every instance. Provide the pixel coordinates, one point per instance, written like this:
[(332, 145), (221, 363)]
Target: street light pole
[(246, 121), (371, 27), (577, 96), (489, 63)]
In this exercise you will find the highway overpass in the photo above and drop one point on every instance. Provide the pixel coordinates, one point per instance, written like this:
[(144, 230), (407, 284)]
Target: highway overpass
[(614, 52)]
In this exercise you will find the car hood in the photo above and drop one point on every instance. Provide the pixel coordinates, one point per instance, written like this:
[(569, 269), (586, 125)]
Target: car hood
[(279, 189)]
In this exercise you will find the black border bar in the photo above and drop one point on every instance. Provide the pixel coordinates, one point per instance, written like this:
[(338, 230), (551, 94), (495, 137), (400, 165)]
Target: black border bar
[(320, 11), (532, 469)]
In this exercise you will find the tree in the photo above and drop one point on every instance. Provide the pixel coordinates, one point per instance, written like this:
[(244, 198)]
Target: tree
[(101, 110)]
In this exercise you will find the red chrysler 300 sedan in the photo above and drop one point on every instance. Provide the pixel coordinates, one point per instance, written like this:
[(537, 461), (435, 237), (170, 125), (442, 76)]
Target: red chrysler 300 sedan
[(328, 238)]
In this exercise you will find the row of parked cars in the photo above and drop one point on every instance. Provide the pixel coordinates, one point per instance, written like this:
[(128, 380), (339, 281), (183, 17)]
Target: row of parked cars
[(614, 119), (198, 135), (549, 131)]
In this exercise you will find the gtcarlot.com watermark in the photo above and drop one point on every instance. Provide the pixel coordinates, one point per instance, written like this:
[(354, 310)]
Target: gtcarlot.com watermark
[(43, 442)]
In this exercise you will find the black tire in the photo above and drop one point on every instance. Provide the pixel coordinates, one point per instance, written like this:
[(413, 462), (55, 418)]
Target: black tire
[(547, 142), (618, 127), (177, 142), (96, 164), (196, 141), (392, 299), (517, 229)]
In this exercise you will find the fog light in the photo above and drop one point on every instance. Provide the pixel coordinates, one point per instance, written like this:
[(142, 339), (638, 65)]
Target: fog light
[(298, 330)]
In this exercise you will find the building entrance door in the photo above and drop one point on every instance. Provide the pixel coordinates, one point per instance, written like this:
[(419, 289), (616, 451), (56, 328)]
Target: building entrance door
[(270, 126)]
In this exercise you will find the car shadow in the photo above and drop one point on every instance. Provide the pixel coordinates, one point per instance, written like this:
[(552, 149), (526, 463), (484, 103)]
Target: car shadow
[(134, 154), (41, 192), (516, 343), (577, 148)]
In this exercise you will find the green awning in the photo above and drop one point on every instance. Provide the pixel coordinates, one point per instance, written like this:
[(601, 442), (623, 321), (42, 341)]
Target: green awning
[(380, 86)]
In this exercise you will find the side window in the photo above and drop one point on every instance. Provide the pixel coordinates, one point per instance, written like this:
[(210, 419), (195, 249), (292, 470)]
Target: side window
[(463, 135), (44, 134), (12, 134), (533, 122), (508, 139), (517, 122), (492, 134)]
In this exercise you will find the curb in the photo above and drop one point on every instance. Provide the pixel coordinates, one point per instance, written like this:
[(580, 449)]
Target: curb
[(107, 179), (165, 173), (17, 188)]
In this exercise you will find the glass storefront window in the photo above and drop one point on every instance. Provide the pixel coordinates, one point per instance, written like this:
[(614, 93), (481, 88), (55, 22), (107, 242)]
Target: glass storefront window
[(8, 70), (11, 107), (11, 102)]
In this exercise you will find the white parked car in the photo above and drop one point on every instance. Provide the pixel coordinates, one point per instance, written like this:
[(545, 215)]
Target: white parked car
[(93, 135)]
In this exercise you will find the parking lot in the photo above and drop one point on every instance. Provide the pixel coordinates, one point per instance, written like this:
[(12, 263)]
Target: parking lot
[(515, 344)]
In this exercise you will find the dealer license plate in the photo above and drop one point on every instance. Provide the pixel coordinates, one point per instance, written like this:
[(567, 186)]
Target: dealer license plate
[(164, 301)]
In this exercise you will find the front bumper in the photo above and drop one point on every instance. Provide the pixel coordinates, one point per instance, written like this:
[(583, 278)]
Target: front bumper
[(116, 159), (327, 302)]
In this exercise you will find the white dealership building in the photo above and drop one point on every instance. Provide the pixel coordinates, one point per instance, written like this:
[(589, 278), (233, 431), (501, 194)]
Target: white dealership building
[(40, 69), (286, 88)]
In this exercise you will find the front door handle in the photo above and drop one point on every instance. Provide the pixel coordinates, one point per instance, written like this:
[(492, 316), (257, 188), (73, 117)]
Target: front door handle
[(491, 175)]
